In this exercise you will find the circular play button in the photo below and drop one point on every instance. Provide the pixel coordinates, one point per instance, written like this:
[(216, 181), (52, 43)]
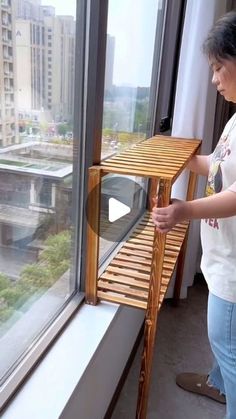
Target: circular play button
[(123, 201)]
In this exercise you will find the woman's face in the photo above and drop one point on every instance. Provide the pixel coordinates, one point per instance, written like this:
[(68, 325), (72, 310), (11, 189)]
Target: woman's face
[(224, 77)]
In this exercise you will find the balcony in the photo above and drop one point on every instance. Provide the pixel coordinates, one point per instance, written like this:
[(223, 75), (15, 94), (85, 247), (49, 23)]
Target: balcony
[(6, 20), (8, 74), (7, 41), (5, 4), (9, 105), (9, 89), (7, 57)]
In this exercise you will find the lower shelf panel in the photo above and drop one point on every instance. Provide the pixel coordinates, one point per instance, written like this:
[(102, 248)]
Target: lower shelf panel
[(126, 279)]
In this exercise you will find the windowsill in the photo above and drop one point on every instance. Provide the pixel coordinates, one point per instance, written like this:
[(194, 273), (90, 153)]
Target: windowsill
[(49, 388)]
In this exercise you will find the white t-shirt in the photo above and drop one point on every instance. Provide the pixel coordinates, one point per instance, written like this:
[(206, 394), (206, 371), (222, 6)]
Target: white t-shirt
[(218, 236)]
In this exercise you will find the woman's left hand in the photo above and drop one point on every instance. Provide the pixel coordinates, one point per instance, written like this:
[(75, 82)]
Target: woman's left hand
[(166, 218)]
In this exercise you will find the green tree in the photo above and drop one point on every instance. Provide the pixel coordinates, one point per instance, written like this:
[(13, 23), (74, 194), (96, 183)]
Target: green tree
[(34, 277), (62, 129), (57, 253), (4, 282), (13, 297)]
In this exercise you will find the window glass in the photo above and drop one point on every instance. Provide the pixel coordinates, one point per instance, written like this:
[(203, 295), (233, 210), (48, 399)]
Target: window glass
[(129, 61), (131, 38), (36, 171)]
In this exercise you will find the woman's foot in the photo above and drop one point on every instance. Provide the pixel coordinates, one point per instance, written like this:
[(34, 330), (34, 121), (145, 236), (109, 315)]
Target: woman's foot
[(197, 383)]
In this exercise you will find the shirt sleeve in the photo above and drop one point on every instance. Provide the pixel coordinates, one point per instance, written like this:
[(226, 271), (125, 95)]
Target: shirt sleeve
[(232, 187)]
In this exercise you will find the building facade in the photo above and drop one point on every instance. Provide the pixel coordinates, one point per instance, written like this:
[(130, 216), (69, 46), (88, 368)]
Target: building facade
[(8, 111), (45, 45)]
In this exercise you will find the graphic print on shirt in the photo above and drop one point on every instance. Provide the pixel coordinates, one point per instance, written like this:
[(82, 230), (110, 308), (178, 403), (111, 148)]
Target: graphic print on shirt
[(214, 182)]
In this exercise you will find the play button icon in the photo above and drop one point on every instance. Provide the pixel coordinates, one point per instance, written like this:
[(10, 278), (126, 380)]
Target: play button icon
[(117, 210), (122, 202)]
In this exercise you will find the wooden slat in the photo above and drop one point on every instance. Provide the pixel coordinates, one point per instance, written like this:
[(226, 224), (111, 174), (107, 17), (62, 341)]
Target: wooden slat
[(143, 267), (119, 299), (127, 272), (123, 289), (123, 280)]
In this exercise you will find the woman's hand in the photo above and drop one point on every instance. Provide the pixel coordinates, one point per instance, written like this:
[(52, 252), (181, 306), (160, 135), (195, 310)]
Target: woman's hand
[(167, 217)]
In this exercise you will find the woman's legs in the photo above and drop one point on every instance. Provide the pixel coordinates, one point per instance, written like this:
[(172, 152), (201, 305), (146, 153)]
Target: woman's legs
[(215, 378), (222, 337)]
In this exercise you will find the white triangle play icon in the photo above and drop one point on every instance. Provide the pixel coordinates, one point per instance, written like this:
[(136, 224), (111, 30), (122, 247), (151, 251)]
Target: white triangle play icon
[(116, 210)]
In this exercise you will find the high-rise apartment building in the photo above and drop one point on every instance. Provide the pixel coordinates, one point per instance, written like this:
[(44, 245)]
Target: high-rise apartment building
[(45, 45), (30, 59), (28, 9), (8, 117), (59, 61), (110, 54), (67, 64)]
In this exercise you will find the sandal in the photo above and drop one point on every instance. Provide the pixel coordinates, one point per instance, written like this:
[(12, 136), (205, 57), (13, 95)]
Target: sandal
[(197, 383)]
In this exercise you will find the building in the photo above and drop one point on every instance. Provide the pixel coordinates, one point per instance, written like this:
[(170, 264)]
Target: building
[(8, 112), (45, 45), (28, 9), (110, 54), (35, 192), (30, 55), (59, 62)]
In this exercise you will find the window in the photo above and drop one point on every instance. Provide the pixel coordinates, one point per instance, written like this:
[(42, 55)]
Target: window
[(39, 202)]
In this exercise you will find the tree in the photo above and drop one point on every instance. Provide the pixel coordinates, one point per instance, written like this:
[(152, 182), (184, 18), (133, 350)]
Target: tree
[(35, 276), (62, 129), (57, 253), (4, 282), (53, 262)]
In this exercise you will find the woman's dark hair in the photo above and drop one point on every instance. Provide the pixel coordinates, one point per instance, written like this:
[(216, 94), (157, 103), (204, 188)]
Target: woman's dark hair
[(221, 40)]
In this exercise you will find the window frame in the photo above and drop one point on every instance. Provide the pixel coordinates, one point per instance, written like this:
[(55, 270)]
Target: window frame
[(165, 80)]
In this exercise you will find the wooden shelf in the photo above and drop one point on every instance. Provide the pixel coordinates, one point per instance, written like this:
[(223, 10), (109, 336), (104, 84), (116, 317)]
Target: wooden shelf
[(126, 279), (157, 157), (139, 274)]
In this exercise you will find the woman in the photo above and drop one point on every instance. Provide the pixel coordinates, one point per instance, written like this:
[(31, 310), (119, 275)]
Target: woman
[(218, 227)]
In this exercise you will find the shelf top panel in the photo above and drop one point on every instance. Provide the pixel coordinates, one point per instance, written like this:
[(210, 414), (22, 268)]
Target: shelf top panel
[(158, 157)]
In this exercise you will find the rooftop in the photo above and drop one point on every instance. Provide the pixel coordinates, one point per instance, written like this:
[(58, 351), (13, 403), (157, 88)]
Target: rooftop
[(38, 158)]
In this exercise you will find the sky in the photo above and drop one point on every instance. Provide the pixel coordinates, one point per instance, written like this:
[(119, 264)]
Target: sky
[(133, 24)]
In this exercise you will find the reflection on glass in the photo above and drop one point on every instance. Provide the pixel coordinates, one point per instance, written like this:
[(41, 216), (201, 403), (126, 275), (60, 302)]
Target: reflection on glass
[(129, 60), (36, 166), (122, 202)]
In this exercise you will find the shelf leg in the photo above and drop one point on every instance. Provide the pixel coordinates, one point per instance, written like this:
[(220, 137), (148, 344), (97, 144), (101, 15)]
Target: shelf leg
[(181, 258), (152, 308), (93, 222)]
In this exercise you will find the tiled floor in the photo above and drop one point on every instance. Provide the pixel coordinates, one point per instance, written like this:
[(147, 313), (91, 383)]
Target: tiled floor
[(181, 345)]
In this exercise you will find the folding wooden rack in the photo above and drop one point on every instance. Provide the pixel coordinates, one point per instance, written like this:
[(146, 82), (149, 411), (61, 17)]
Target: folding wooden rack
[(139, 274)]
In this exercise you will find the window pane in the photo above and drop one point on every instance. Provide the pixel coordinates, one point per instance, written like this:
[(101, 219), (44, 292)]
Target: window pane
[(131, 39), (129, 62), (36, 170)]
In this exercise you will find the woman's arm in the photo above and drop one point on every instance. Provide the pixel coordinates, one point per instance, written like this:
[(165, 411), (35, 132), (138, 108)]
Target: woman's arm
[(220, 205), (199, 165)]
